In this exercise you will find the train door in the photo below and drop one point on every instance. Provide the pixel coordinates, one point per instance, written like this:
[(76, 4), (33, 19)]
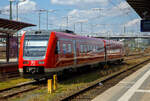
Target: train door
[(57, 51), (75, 52), (105, 50)]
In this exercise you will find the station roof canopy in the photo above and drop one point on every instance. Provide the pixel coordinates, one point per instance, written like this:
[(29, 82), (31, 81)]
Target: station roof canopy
[(10, 26), (142, 7)]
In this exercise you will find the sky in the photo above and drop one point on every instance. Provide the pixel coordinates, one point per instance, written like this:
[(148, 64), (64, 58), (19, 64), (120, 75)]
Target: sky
[(84, 16)]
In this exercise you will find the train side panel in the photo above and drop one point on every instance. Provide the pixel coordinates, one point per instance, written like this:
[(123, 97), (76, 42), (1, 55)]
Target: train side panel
[(65, 51), (114, 50), (74, 51)]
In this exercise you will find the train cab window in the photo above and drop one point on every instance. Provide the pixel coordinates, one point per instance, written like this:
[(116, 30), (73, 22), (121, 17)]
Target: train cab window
[(69, 48), (64, 48)]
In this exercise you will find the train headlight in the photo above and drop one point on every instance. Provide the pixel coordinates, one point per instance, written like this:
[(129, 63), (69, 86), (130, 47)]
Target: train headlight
[(41, 62), (25, 62)]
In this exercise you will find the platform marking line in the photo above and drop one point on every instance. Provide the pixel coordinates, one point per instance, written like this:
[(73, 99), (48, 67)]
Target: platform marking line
[(126, 82), (132, 90), (143, 91)]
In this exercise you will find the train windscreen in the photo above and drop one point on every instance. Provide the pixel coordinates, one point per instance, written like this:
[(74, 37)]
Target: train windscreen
[(35, 46)]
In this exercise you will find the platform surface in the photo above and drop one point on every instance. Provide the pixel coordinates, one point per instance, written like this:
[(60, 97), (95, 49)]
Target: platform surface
[(13, 60), (135, 87)]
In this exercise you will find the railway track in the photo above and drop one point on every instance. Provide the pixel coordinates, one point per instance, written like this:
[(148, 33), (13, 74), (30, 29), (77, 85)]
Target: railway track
[(91, 91), (8, 71), (9, 75), (132, 57), (18, 89)]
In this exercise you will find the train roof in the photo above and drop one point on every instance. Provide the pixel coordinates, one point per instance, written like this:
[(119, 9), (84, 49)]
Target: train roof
[(43, 32), (65, 33), (76, 36), (68, 34)]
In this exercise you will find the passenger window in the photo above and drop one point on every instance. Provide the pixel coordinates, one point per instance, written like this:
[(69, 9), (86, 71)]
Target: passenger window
[(57, 48), (85, 48), (81, 48), (69, 48), (96, 47), (90, 47), (64, 48)]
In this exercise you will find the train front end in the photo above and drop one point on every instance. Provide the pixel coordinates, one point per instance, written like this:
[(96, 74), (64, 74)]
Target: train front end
[(32, 55)]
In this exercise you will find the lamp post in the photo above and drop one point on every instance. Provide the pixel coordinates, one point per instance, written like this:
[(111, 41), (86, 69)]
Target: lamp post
[(39, 13), (67, 20), (10, 7), (74, 27), (17, 16), (7, 42), (97, 10), (17, 8), (39, 20), (47, 12), (81, 23)]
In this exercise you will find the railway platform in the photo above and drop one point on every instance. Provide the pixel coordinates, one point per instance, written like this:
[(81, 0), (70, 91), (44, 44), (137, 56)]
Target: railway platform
[(135, 87), (8, 68), (4, 61)]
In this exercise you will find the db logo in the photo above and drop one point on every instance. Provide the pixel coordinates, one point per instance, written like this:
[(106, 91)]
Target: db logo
[(32, 62)]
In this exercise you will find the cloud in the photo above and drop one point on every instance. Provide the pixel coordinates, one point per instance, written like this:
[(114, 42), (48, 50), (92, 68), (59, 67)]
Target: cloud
[(133, 22), (24, 7), (121, 9), (102, 16), (76, 2), (27, 6), (83, 14)]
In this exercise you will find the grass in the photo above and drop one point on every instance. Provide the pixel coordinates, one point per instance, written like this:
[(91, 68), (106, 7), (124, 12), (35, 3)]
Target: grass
[(13, 82)]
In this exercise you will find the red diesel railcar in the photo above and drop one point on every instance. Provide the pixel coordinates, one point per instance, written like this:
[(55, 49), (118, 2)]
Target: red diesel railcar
[(43, 53)]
